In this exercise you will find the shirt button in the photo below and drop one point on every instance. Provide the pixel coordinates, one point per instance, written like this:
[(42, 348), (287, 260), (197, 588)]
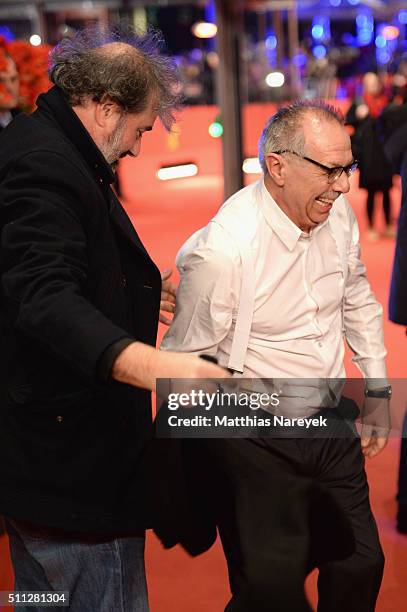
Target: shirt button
[(124, 281), (320, 344)]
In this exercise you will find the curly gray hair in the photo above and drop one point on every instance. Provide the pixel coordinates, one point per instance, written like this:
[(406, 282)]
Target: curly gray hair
[(284, 130), (120, 64)]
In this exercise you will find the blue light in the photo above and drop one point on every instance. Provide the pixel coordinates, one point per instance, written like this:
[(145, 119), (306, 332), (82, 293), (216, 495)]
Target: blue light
[(364, 38), (7, 33), (380, 42), (317, 31), (271, 42), (365, 21), (210, 12), (321, 28), (195, 55), (319, 51), (383, 57), (335, 2), (354, 2), (348, 39), (300, 60), (364, 27), (403, 16)]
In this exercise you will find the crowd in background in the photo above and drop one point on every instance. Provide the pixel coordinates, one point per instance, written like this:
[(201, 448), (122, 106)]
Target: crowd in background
[(324, 77)]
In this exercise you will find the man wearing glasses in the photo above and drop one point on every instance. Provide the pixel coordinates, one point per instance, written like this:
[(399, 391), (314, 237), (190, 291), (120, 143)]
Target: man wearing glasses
[(309, 289)]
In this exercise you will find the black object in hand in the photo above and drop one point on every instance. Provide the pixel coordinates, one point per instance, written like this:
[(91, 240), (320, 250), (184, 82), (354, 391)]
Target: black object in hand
[(213, 359)]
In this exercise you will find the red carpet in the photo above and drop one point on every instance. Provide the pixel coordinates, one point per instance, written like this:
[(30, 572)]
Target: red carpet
[(165, 213)]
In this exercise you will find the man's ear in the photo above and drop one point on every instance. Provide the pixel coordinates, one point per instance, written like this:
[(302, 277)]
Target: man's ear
[(105, 112), (276, 168)]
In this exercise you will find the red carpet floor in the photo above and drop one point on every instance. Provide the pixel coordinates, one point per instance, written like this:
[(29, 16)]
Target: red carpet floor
[(165, 214)]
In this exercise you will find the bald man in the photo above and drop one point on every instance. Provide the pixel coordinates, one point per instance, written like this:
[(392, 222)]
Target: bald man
[(80, 303), (291, 240)]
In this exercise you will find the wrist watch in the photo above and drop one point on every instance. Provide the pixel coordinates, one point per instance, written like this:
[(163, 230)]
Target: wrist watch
[(382, 392)]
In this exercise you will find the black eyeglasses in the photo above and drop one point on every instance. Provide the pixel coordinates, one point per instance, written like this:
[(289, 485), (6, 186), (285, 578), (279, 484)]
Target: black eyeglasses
[(333, 174)]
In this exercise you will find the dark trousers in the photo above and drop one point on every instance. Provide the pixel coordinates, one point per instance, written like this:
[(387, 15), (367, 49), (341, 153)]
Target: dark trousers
[(263, 510), (386, 206)]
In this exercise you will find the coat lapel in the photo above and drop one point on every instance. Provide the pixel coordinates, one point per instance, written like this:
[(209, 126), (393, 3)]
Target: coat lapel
[(123, 223)]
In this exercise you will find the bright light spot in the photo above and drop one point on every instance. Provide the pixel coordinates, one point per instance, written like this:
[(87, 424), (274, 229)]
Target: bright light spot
[(335, 2), (390, 32), (35, 40), (271, 42), (173, 172), (403, 16), (204, 29), (364, 37), (317, 31), (215, 129), (353, 1), (380, 42), (251, 165), (319, 51), (362, 20), (275, 79)]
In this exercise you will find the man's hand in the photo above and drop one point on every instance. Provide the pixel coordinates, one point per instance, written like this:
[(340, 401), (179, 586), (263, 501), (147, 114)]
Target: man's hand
[(140, 365), (168, 293), (376, 426)]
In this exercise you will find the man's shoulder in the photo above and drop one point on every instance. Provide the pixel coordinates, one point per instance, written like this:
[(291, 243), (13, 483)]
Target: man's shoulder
[(239, 206), (220, 241), (40, 149), (26, 134), (211, 245)]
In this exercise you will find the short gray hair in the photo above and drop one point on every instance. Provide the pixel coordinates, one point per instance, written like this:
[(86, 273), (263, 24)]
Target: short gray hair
[(120, 64), (284, 130)]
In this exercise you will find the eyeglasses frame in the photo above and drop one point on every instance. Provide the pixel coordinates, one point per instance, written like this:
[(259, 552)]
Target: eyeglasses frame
[(349, 169)]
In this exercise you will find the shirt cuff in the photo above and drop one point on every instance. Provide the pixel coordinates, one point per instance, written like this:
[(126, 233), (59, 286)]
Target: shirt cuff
[(374, 371), (109, 356)]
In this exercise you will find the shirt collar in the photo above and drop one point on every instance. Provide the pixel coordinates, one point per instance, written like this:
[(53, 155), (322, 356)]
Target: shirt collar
[(54, 101), (286, 230)]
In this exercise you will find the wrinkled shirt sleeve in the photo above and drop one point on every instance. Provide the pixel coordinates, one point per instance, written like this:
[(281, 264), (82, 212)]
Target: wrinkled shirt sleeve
[(207, 294), (363, 315)]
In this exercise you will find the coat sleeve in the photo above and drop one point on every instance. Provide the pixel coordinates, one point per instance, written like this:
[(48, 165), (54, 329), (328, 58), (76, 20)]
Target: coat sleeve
[(45, 262), (363, 315)]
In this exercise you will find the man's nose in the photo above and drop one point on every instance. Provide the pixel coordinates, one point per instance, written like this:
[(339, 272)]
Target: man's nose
[(342, 183), (135, 150)]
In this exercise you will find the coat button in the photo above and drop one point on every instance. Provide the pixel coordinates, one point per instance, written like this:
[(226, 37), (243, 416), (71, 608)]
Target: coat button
[(60, 418), (124, 281)]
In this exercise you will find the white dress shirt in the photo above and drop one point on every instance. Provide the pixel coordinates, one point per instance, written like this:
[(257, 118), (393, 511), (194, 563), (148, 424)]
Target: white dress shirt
[(307, 297)]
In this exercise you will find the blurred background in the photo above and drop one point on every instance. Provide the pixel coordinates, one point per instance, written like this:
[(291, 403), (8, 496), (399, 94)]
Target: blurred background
[(287, 49)]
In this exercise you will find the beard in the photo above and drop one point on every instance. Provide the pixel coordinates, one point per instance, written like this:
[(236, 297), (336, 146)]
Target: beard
[(112, 147)]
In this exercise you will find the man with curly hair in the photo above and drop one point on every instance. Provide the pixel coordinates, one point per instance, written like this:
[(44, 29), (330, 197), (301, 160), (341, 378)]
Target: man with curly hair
[(80, 302)]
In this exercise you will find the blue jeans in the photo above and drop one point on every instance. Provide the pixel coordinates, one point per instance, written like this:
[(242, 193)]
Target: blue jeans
[(101, 574)]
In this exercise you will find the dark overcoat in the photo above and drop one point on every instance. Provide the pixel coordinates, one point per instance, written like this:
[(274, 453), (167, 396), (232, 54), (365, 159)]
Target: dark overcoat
[(396, 149), (75, 280)]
